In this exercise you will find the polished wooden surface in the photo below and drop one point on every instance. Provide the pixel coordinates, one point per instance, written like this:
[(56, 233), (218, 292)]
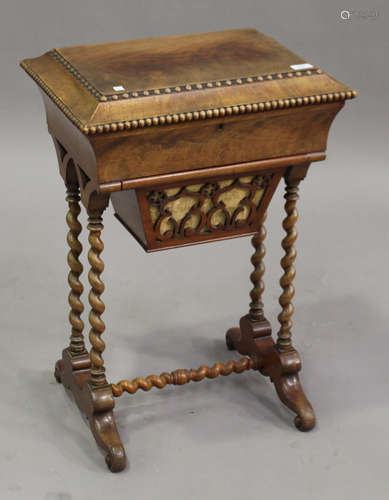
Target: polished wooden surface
[(142, 123), (161, 62), (178, 79), (140, 153), (187, 126)]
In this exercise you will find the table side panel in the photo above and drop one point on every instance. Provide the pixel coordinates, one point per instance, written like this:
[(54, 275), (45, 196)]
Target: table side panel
[(147, 152), (180, 214)]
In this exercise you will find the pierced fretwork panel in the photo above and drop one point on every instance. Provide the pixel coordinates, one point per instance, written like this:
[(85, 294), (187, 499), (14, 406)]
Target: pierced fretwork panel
[(197, 209)]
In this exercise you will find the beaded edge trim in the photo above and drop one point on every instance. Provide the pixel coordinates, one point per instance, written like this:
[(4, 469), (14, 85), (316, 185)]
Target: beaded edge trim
[(220, 112), (188, 116), (62, 106), (100, 96)]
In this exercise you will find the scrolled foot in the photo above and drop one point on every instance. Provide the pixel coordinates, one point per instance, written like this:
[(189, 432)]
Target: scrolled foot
[(96, 404), (107, 436), (306, 421), (291, 393), (116, 459)]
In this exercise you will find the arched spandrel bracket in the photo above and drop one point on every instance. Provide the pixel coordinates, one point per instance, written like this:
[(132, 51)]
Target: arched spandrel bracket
[(75, 177)]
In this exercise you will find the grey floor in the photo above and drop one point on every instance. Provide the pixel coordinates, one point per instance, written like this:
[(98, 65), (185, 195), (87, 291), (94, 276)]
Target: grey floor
[(228, 438)]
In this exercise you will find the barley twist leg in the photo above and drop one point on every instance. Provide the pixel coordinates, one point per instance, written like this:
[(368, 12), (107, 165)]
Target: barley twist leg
[(279, 361), (102, 420), (256, 306), (286, 378), (259, 325), (77, 344), (284, 340), (97, 373)]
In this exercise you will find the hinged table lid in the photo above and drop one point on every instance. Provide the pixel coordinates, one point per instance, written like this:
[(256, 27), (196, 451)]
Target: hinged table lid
[(125, 85)]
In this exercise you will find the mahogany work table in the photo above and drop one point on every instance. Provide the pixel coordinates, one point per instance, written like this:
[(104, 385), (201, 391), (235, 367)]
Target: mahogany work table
[(189, 137)]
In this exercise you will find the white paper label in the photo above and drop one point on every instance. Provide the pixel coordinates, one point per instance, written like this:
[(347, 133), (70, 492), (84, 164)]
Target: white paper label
[(118, 88), (297, 67)]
